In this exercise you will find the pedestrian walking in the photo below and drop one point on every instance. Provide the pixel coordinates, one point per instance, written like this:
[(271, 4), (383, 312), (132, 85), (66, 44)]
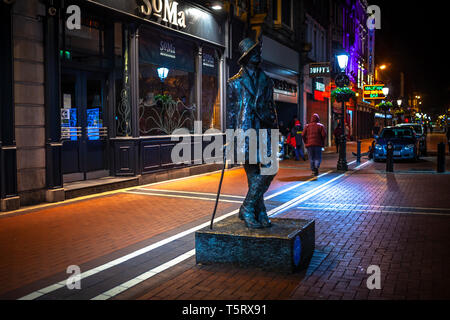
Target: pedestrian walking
[(347, 132), (291, 144), (293, 122), (314, 137), (297, 133)]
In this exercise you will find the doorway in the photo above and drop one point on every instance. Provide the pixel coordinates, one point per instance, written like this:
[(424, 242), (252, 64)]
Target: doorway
[(83, 125)]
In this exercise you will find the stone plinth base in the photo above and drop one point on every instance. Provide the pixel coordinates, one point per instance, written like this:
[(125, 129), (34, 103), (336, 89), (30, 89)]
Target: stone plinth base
[(286, 247)]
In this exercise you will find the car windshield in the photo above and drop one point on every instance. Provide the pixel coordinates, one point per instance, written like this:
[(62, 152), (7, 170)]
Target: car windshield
[(391, 133), (417, 128)]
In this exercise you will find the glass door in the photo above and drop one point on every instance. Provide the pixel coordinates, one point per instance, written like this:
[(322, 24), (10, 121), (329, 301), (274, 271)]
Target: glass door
[(96, 132), (83, 128)]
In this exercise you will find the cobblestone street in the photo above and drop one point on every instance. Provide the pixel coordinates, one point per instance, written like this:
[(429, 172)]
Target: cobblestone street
[(138, 243)]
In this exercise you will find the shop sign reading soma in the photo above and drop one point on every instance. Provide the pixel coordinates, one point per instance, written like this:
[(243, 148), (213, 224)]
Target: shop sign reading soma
[(165, 10), (182, 16)]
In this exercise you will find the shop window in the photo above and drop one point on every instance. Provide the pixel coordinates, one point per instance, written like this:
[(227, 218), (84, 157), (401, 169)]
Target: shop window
[(275, 11), (87, 45), (282, 12), (286, 13), (210, 90), (259, 6), (122, 129), (166, 99)]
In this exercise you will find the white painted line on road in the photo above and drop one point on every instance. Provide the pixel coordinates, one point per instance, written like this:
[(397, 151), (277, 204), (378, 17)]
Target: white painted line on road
[(374, 211), (149, 248), (122, 287), (373, 205), (127, 257), (310, 194), (180, 196), (363, 165), (296, 186), (193, 192), (147, 275), (303, 197), (102, 194)]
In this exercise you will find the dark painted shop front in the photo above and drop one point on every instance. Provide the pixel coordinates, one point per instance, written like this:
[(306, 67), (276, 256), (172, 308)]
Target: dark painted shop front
[(112, 111)]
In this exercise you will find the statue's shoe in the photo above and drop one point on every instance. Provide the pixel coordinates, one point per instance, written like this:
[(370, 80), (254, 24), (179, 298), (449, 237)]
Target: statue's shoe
[(241, 215), (251, 223), (264, 219), (250, 220)]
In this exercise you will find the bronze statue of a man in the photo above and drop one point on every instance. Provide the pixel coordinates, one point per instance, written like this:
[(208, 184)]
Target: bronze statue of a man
[(251, 106)]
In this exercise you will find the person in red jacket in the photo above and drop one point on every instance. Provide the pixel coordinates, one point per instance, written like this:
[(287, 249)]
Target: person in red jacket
[(314, 137)]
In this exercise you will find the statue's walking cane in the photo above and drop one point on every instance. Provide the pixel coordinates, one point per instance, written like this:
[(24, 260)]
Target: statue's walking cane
[(220, 186)]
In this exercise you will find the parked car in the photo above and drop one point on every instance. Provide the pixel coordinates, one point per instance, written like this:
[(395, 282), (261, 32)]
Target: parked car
[(420, 134), (406, 144)]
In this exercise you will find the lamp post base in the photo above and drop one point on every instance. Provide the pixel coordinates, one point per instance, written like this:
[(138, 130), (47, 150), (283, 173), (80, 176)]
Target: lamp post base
[(342, 162), (342, 166)]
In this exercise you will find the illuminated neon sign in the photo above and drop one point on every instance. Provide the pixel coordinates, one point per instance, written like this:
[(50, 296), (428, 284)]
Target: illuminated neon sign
[(320, 87), (374, 92), (319, 69)]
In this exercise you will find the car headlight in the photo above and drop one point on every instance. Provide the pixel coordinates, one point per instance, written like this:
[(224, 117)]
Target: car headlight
[(378, 147), (409, 146)]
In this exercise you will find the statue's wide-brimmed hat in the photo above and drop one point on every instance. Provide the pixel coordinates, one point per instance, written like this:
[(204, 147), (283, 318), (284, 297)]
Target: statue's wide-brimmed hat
[(246, 47)]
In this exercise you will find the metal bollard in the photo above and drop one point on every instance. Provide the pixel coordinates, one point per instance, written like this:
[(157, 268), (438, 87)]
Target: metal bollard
[(390, 158), (358, 152), (441, 158)]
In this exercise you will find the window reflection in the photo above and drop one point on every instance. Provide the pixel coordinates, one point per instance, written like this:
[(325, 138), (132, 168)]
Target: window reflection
[(210, 90), (165, 104)]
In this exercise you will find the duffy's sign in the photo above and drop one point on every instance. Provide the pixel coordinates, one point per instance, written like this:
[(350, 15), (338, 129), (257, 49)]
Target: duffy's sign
[(165, 10)]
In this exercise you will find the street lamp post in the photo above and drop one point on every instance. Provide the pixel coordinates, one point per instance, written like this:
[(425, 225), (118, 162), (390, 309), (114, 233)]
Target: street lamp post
[(399, 103), (386, 93), (342, 81)]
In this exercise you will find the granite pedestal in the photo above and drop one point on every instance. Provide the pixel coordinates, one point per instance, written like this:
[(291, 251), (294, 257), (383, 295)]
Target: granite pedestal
[(286, 247)]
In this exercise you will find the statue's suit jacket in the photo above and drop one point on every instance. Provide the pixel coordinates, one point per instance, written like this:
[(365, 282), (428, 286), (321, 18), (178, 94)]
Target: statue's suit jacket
[(250, 105)]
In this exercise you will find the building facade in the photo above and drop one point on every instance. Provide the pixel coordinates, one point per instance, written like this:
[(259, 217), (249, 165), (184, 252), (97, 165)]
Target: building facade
[(274, 23), (100, 99), (317, 70), (91, 90), (332, 27)]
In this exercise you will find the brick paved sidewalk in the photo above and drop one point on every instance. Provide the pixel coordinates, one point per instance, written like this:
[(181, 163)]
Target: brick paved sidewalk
[(379, 223), (376, 221), (40, 244)]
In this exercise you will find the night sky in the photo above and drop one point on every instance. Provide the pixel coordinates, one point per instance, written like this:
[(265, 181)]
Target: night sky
[(414, 38)]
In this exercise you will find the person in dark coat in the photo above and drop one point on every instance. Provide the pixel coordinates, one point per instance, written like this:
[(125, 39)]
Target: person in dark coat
[(297, 133), (251, 106), (314, 137)]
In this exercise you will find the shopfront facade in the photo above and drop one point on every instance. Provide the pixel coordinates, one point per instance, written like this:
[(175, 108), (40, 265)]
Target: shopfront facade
[(281, 64), (108, 93), (364, 121)]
